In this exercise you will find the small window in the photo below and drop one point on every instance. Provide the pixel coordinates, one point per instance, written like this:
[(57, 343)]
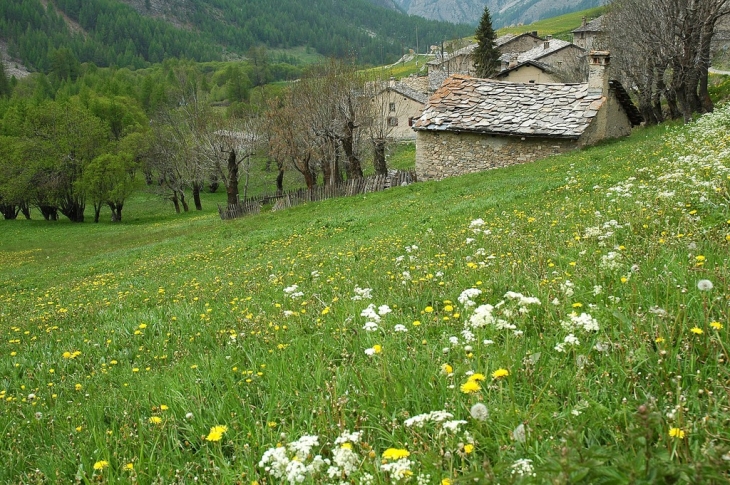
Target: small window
[(391, 107), (532, 81), (392, 121), (410, 121)]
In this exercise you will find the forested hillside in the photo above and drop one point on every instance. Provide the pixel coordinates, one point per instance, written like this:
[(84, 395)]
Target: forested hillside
[(108, 32)]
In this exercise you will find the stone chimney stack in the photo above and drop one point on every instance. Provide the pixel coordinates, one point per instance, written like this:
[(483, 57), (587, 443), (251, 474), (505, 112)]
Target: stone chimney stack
[(585, 21), (598, 63), (546, 44), (513, 61)]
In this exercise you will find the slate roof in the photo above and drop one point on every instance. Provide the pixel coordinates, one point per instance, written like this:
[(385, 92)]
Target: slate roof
[(408, 92), (539, 65), (595, 25), (537, 53), (459, 52), (500, 41), (473, 105)]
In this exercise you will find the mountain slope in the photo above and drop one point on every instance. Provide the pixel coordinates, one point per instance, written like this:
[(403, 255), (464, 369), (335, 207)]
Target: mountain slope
[(504, 12), (137, 32)]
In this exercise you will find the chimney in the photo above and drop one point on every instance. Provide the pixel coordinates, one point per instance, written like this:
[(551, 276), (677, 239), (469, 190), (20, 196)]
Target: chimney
[(584, 22), (546, 44), (391, 81), (534, 32), (598, 63), (513, 61)]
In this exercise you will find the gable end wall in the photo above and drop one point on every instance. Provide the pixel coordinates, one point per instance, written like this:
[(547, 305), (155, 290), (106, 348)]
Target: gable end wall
[(447, 154)]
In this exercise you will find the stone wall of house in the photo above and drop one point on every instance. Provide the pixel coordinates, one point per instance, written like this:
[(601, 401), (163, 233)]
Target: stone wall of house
[(447, 154)]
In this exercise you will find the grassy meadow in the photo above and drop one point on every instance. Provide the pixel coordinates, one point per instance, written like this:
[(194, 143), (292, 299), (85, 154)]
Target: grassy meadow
[(564, 321)]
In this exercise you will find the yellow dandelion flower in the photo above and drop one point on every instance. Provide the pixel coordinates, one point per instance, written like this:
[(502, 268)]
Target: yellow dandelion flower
[(470, 387), (129, 466), (468, 448), (394, 454), (447, 369), (216, 433), (477, 377), (676, 433), (697, 330), (716, 325), (155, 420), (446, 481), (428, 309), (101, 464), (659, 340), (163, 407), (500, 373), (377, 348)]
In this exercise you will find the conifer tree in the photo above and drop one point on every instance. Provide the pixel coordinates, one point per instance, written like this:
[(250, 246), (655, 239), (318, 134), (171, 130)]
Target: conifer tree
[(486, 55), (5, 86)]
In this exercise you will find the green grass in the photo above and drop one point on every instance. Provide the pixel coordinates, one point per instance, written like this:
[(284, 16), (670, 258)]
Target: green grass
[(560, 26), (125, 344)]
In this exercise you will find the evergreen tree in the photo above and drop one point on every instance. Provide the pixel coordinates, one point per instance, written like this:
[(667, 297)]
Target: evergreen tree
[(5, 87), (486, 55)]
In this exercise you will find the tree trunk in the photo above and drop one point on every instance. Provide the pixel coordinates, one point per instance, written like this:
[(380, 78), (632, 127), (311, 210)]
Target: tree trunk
[(379, 156), (232, 187), (183, 201), (354, 167), (97, 211), (50, 213), (197, 187), (280, 182), (175, 202), (25, 209), (116, 208), (674, 112), (9, 211)]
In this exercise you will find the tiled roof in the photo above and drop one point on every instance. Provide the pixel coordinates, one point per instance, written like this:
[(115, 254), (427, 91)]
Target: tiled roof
[(459, 52), (408, 92), (540, 51), (499, 41), (466, 104), (539, 65), (595, 25)]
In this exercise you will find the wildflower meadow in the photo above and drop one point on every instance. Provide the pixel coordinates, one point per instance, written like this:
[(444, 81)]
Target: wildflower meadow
[(564, 321)]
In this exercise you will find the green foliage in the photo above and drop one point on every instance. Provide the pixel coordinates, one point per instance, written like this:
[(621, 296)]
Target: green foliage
[(5, 87), (486, 55), (559, 26)]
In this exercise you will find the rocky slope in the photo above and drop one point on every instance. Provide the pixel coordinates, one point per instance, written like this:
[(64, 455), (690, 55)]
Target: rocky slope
[(504, 12)]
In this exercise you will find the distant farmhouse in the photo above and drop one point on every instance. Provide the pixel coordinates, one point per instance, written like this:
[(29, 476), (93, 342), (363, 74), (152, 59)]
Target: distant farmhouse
[(470, 124), (590, 35), (401, 104)]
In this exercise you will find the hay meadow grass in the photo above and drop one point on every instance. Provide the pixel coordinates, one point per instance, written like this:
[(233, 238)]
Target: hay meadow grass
[(564, 321)]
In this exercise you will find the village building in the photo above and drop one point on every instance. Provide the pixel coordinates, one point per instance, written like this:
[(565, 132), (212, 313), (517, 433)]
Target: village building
[(446, 64), (556, 53), (527, 72), (400, 105), (470, 124), (590, 35), (510, 44)]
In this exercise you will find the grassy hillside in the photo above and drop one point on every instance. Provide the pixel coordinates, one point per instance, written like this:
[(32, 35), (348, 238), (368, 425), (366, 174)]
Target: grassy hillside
[(560, 26), (564, 321)]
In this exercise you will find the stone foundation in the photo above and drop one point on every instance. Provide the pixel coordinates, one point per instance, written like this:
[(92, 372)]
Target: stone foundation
[(447, 154)]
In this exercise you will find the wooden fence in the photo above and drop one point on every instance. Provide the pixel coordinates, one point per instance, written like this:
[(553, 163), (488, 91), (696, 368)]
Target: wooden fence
[(364, 185)]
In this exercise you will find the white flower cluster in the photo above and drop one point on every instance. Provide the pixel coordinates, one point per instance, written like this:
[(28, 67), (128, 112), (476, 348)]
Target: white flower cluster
[(611, 261), (467, 296), (421, 420), (278, 463), (583, 321), (398, 469), (362, 293), (523, 468), (291, 292), (569, 341), (374, 317), (345, 461)]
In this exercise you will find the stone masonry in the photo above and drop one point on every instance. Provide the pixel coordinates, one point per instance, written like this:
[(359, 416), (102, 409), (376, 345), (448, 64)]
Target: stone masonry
[(450, 154)]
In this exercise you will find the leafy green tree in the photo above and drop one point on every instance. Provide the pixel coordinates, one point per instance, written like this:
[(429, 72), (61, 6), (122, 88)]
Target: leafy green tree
[(486, 55), (109, 179)]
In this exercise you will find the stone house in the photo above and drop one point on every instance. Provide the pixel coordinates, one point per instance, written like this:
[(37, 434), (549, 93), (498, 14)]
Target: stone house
[(531, 72), (399, 104), (470, 124), (510, 44), (556, 53), (590, 35), (447, 64)]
